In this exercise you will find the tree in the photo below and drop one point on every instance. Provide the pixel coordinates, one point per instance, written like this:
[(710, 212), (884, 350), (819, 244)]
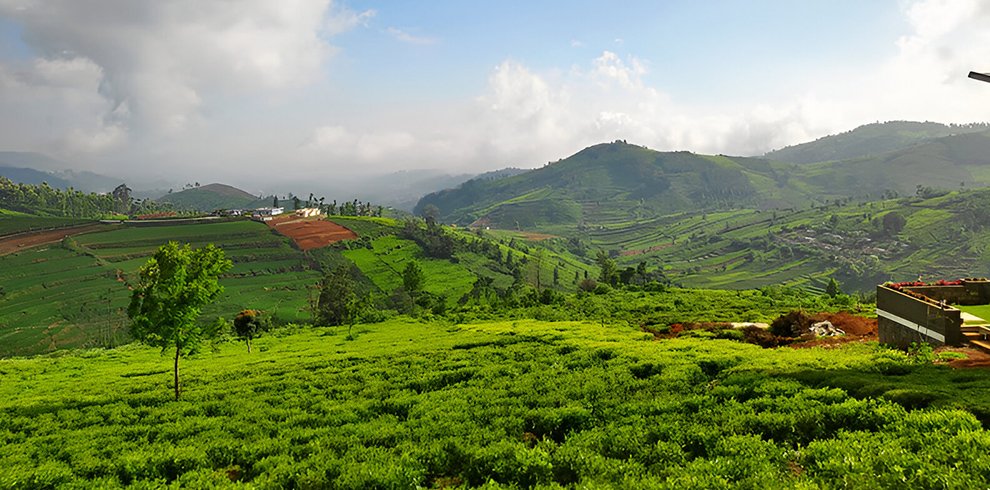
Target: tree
[(173, 287), (274, 201), (832, 289), (609, 271), (122, 198), (431, 213), (412, 277), (248, 324), (338, 303), (893, 223)]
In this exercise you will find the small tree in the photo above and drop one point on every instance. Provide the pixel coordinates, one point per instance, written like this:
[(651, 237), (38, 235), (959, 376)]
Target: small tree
[(249, 324), (609, 272), (338, 303), (832, 289), (412, 277), (893, 223), (174, 285)]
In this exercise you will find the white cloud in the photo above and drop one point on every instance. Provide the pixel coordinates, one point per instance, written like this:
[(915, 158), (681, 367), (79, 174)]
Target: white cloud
[(186, 83), (162, 64), (407, 38), (341, 19)]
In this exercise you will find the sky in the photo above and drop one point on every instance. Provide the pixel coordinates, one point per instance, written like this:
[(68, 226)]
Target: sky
[(302, 90)]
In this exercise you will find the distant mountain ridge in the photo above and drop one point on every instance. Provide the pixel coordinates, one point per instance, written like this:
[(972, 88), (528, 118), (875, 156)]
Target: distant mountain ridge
[(31, 176), (871, 139), (612, 183)]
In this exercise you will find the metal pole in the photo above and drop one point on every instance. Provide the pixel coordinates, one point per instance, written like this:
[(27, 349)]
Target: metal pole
[(983, 77)]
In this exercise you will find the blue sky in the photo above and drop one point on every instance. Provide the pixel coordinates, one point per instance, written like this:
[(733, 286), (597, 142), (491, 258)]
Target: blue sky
[(197, 88)]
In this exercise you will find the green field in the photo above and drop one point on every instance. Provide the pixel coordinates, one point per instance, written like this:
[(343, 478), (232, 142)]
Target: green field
[(504, 404), (13, 222), (76, 293)]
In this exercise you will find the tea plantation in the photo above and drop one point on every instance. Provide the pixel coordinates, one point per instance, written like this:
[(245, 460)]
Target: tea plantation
[(406, 404)]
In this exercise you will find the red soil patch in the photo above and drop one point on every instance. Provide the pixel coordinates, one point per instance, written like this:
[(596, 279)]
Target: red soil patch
[(22, 241), (645, 250), (857, 329), (975, 358), (310, 233)]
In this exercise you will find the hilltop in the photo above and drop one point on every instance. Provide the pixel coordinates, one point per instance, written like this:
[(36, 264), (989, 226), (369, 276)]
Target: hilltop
[(210, 197), (870, 139), (611, 182)]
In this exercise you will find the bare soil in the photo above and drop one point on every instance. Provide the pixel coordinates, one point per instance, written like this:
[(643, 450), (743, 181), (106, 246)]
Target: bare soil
[(310, 233), (16, 243)]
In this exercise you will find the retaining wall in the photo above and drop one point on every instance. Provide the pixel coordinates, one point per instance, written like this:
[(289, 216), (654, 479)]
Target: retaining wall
[(903, 319)]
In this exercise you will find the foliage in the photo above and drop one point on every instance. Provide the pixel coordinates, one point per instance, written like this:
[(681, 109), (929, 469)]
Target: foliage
[(338, 303), (45, 200), (511, 403), (412, 277), (249, 324), (174, 286)]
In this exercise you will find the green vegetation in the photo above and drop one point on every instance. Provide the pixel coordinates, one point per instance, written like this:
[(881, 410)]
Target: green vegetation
[(46, 201), (76, 293), (172, 289), (12, 222), (870, 139), (213, 196), (509, 403), (982, 311)]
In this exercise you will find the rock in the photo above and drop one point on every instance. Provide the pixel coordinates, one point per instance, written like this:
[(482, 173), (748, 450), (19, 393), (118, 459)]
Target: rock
[(825, 329)]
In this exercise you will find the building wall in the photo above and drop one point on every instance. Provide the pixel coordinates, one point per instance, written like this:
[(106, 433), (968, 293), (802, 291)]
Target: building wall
[(903, 319), (967, 293)]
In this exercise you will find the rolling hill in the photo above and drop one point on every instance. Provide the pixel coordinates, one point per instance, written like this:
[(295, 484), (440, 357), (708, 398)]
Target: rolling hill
[(870, 139), (75, 293), (617, 182), (210, 197), (613, 182), (31, 176)]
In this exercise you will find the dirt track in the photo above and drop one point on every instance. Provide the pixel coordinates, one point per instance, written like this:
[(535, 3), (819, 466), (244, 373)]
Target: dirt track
[(310, 233), (22, 241)]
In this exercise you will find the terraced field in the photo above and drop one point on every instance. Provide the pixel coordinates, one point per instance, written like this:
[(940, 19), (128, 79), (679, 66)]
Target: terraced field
[(75, 293)]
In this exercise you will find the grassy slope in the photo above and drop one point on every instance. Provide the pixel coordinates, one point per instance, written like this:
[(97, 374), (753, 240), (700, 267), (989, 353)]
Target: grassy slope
[(210, 197), (870, 139), (947, 236), (609, 182), (515, 403), (75, 293), (16, 222)]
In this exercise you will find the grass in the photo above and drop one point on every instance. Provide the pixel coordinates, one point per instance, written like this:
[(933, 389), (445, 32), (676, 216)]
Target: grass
[(505, 403), (75, 294), (982, 311), (384, 262), (12, 222)]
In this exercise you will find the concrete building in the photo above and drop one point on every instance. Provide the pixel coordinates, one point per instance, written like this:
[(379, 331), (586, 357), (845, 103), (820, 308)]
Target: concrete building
[(917, 312)]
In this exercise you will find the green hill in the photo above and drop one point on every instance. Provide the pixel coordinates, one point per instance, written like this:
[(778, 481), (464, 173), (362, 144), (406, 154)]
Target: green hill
[(870, 140), (947, 162), (210, 197), (942, 237), (75, 293), (613, 182)]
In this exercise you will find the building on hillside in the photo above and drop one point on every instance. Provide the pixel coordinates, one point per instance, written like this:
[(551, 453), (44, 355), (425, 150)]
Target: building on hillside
[(308, 212), (268, 211), (932, 313)]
